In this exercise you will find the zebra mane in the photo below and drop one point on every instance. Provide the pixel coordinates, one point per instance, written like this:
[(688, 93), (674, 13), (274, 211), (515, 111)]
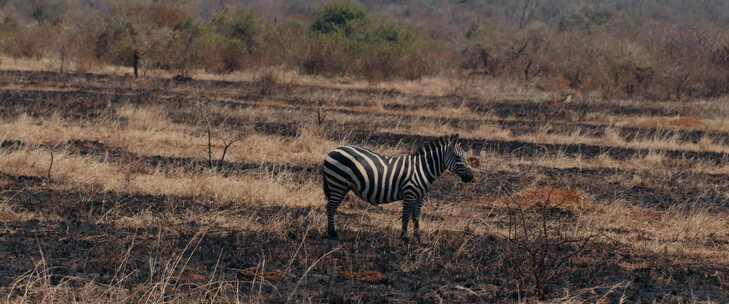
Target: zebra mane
[(437, 142)]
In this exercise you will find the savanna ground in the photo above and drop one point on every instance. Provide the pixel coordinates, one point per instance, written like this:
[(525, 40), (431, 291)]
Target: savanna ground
[(581, 201)]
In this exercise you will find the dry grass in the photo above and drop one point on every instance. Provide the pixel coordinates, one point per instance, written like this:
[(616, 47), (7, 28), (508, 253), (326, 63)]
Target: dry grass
[(82, 172), (610, 139), (9, 63), (148, 132), (67, 169)]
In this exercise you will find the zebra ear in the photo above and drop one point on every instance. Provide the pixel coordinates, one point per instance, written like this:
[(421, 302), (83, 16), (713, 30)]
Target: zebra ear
[(454, 138)]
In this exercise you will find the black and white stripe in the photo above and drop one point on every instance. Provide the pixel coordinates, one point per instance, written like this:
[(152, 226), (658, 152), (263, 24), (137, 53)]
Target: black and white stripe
[(380, 179)]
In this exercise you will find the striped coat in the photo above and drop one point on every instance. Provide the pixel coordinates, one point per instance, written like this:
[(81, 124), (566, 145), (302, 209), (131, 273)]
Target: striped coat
[(380, 179)]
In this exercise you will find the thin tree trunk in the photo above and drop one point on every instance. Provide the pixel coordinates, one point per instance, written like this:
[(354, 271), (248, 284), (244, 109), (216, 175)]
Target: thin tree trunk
[(135, 63)]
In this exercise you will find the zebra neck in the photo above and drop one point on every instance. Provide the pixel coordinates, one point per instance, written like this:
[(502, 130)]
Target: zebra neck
[(431, 164)]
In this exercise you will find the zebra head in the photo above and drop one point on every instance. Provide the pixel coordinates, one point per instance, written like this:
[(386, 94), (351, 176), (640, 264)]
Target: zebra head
[(455, 160)]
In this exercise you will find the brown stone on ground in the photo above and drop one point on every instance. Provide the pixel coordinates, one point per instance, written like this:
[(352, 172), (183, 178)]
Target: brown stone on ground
[(255, 273), (371, 277)]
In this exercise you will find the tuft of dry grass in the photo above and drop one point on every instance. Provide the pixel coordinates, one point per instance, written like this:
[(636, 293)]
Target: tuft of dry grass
[(153, 118)]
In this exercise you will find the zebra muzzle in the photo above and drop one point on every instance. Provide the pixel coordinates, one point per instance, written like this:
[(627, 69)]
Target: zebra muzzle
[(467, 178)]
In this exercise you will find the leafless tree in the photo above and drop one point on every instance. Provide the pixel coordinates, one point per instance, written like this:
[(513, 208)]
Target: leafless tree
[(226, 137)]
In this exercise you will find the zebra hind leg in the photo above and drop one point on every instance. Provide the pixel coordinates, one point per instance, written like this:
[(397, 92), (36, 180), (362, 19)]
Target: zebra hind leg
[(334, 194), (331, 213), (334, 199)]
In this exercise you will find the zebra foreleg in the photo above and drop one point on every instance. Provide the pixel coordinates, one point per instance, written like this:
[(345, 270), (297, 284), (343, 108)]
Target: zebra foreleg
[(405, 220), (416, 220)]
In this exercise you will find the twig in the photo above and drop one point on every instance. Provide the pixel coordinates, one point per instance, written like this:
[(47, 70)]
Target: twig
[(50, 167), (210, 143)]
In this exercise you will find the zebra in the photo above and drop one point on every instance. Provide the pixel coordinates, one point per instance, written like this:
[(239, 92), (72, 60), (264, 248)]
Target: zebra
[(380, 179)]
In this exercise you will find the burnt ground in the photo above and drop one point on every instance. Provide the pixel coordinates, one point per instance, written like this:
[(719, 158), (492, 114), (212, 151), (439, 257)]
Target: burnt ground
[(76, 244), (81, 235)]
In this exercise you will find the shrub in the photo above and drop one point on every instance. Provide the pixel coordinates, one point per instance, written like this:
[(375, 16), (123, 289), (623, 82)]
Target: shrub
[(285, 43), (29, 42), (229, 41), (164, 16), (344, 41), (521, 54), (237, 25), (116, 42), (344, 18), (49, 12), (327, 55), (164, 37), (395, 51), (221, 55)]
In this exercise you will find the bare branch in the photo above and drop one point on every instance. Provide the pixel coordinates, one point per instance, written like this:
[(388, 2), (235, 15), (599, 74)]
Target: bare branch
[(226, 145)]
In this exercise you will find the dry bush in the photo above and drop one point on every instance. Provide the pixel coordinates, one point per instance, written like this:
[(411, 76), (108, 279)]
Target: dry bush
[(543, 237), (222, 57), (29, 43), (326, 55), (519, 54), (75, 34), (230, 41), (654, 60), (281, 44)]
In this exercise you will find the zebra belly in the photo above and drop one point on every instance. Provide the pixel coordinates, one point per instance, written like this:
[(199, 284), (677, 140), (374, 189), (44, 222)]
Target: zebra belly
[(377, 200)]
